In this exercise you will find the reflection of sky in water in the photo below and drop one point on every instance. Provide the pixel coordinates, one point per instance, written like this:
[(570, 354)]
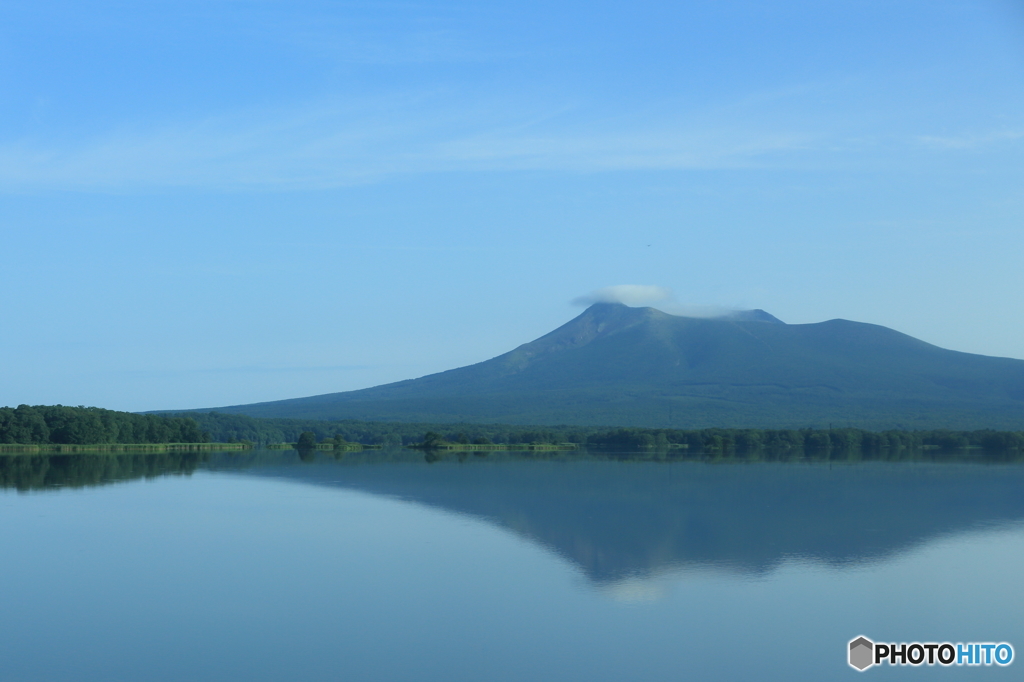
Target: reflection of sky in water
[(636, 590), (977, 552), (219, 577)]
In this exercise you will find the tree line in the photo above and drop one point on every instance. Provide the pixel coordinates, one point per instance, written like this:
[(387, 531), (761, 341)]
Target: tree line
[(58, 424), (811, 440), (61, 425), (235, 427)]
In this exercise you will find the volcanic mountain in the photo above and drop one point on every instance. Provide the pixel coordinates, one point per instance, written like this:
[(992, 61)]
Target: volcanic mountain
[(617, 365)]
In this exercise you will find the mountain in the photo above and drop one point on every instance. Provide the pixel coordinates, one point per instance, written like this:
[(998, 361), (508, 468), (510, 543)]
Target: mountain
[(618, 365)]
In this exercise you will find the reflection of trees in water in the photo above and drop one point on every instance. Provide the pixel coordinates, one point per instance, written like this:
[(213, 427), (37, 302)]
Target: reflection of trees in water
[(731, 455), (36, 472)]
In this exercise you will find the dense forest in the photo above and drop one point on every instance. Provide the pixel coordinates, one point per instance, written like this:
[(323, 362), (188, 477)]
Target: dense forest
[(236, 427), (57, 424)]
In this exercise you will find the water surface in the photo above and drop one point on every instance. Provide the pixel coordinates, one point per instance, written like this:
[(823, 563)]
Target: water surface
[(384, 566)]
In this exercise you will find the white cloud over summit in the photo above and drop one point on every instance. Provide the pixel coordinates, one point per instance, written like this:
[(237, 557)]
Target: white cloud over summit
[(643, 295), (629, 294)]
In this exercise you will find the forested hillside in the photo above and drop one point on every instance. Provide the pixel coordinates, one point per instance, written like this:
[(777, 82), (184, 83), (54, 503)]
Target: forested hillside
[(59, 425)]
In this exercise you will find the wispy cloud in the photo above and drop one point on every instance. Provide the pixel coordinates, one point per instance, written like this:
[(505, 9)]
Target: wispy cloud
[(337, 143), (333, 144), (970, 141)]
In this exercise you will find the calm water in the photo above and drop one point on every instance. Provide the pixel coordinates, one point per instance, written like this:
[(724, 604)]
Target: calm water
[(382, 566)]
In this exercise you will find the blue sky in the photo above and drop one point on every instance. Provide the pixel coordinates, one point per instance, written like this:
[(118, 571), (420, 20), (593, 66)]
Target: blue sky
[(221, 202)]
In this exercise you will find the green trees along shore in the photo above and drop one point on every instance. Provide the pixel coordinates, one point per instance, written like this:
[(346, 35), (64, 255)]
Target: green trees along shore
[(53, 426), (59, 425), (231, 428)]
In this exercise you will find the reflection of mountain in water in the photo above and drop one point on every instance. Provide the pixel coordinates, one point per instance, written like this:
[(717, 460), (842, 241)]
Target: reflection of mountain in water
[(616, 519), (622, 519)]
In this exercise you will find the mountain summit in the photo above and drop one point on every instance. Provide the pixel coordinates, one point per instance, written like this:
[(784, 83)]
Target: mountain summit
[(618, 365)]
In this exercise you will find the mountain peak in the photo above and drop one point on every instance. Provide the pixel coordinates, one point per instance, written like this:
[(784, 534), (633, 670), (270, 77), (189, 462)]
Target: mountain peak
[(756, 315), (617, 311)]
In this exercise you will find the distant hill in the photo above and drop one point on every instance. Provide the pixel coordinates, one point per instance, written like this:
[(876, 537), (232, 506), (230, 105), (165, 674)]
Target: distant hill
[(618, 365)]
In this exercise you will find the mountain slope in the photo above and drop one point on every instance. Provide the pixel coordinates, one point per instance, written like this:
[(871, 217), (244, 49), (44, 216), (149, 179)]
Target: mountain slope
[(618, 365)]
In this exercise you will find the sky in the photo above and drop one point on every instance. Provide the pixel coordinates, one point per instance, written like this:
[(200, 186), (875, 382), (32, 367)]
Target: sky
[(232, 201)]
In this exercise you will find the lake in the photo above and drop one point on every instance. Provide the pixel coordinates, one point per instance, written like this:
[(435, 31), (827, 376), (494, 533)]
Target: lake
[(381, 565)]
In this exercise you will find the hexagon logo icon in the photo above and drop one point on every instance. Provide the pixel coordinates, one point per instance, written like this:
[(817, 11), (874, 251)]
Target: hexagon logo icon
[(862, 653)]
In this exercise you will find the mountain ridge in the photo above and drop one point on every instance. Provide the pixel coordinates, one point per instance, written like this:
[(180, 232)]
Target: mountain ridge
[(617, 365)]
